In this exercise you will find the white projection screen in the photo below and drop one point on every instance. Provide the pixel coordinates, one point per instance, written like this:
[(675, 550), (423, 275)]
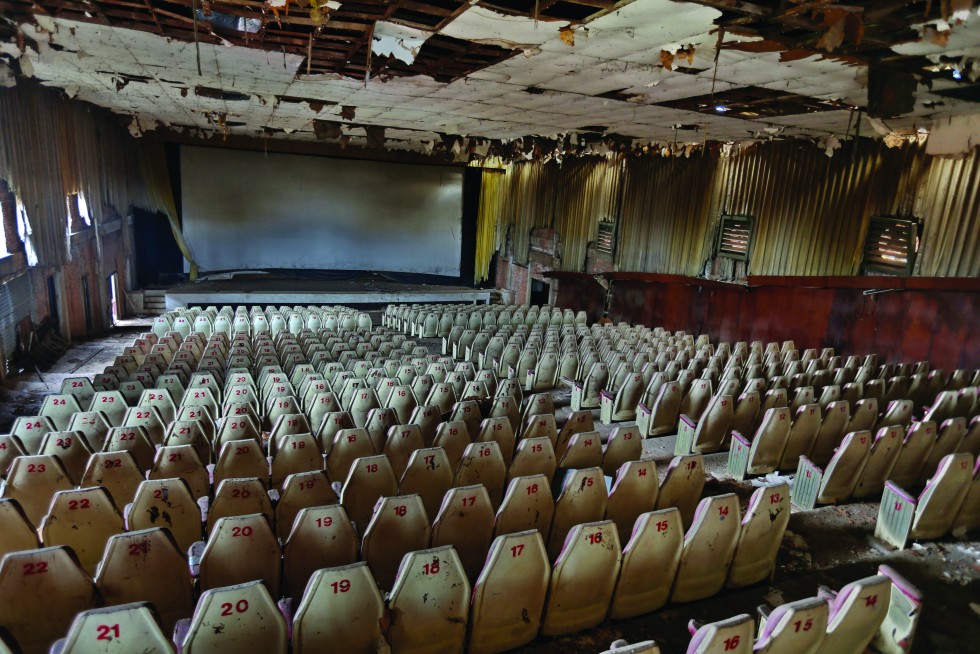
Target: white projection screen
[(246, 210)]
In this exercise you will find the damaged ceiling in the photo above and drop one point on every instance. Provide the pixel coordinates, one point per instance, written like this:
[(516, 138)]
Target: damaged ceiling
[(641, 71)]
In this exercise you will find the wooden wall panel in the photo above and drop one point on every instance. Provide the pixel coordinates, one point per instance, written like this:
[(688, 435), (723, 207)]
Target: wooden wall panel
[(909, 323)]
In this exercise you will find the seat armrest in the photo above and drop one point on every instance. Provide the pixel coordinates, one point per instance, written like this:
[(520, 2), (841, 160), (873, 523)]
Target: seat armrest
[(181, 629), (194, 555)]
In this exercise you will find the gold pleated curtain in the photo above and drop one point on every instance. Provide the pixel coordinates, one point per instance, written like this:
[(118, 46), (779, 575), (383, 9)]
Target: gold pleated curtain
[(589, 191), (528, 203), (487, 218)]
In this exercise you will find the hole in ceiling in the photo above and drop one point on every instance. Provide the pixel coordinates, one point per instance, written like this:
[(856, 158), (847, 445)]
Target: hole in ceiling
[(220, 94), (753, 102)]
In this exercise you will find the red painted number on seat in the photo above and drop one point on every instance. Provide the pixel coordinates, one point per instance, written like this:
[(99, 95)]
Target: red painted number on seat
[(241, 606), (107, 631), (38, 568), (341, 586)]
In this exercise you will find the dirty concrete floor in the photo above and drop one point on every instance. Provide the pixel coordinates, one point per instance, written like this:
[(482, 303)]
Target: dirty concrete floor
[(828, 546)]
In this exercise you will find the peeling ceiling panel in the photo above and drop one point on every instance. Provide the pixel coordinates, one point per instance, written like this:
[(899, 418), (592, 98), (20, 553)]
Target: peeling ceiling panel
[(489, 69)]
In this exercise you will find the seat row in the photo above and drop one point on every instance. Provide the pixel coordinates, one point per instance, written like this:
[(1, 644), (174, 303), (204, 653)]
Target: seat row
[(864, 462), (231, 321), (517, 593), (843, 622)]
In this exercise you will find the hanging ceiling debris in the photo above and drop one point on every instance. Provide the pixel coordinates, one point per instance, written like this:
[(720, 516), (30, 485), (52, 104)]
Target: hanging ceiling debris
[(508, 76)]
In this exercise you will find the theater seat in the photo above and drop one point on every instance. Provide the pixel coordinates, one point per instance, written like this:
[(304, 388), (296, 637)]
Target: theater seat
[(650, 561), (731, 635), (370, 478), (125, 628), (41, 591), (855, 615), (709, 546), (465, 521), (146, 565), (884, 453), (794, 628), (902, 517), (114, 471), (762, 454), (399, 525), (321, 537), (341, 612), (482, 463), (836, 483), (33, 481), (633, 492), (232, 620), (760, 536), (527, 504), (241, 549), (509, 594), (429, 603), (897, 630), (682, 486), (582, 499), (16, 531), (968, 517), (582, 579), (429, 475)]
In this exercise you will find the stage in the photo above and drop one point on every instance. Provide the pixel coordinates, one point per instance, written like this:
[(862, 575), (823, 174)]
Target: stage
[(371, 290)]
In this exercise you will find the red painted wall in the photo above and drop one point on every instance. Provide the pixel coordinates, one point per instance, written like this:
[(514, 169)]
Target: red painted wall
[(917, 319)]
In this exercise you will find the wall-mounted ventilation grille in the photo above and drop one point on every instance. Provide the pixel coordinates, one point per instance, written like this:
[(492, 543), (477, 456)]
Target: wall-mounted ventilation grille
[(606, 241), (890, 246), (735, 237)]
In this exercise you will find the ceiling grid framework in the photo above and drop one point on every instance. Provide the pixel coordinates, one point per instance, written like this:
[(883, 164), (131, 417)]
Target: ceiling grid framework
[(642, 70)]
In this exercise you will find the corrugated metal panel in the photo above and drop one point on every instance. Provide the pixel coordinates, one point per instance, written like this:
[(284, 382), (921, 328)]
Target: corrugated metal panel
[(950, 202), (16, 300)]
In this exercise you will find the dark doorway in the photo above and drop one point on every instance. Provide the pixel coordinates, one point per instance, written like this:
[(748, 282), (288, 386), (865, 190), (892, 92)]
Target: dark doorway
[(540, 292), (87, 304), (53, 304), (158, 259)]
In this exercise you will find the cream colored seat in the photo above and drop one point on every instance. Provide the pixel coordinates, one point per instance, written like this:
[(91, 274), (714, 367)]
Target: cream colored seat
[(241, 549), (527, 504), (430, 600), (650, 561), (709, 546), (114, 471), (16, 531), (369, 479), (33, 482), (181, 461), (235, 619), (125, 628), (146, 565), (682, 486), (731, 635), (794, 628), (583, 499), (855, 615), (321, 537), (465, 521), (509, 594), (166, 503), (429, 475), (482, 463), (41, 591), (299, 491), (582, 579), (341, 612), (399, 526), (760, 535)]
